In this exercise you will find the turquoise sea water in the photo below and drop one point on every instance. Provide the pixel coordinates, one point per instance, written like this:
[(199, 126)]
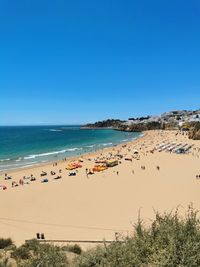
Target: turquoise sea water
[(29, 145)]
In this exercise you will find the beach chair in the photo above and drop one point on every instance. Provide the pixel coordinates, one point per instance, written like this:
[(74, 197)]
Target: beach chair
[(45, 180), (58, 177)]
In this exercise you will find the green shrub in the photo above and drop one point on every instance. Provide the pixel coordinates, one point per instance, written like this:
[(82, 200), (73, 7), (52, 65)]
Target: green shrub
[(5, 242), (33, 254), (21, 253), (73, 248), (169, 241), (5, 263), (96, 257)]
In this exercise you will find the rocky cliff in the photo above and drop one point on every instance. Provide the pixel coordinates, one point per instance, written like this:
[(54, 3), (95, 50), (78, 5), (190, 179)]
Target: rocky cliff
[(139, 127)]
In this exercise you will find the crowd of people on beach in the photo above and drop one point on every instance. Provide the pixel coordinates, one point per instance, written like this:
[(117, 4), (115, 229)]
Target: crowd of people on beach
[(130, 152)]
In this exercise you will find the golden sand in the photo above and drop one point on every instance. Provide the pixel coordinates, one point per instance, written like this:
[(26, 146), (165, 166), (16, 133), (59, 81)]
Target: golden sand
[(95, 207)]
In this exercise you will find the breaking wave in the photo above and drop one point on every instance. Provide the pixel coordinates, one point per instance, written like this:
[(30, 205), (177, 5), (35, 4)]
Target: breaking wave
[(91, 146), (52, 153), (2, 160), (55, 130), (107, 144)]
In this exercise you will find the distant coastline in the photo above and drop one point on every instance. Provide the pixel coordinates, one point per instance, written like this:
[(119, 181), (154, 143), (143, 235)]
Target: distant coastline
[(96, 128), (184, 120)]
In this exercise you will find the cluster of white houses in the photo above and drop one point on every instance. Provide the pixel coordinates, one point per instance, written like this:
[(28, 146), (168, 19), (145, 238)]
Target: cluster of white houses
[(176, 118)]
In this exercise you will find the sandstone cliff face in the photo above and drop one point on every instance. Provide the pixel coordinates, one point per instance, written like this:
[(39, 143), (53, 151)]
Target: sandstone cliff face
[(139, 127), (192, 127)]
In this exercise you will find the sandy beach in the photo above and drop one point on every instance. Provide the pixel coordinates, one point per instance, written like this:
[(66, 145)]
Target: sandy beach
[(94, 207)]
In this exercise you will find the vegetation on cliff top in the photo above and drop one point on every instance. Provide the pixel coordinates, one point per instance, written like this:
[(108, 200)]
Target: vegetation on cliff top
[(175, 120), (169, 241), (139, 127), (105, 124)]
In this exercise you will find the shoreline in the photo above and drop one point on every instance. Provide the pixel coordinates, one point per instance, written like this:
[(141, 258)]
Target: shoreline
[(70, 158)]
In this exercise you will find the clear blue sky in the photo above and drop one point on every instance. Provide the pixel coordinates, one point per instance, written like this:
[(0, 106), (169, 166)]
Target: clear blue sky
[(80, 61)]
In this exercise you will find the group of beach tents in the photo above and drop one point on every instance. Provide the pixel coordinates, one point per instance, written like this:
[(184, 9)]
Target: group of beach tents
[(105, 165), (97, 168), (73, 166)]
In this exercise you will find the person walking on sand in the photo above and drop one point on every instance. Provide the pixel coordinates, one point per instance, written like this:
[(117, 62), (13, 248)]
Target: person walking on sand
[(86, 171)]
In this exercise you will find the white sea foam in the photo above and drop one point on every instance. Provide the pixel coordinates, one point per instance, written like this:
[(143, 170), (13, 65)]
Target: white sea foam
[(51, 153), (45, 154), (9, 165), (19, 159), (16, 165), (30, 157), (2, 160), (107, 144), (28, 165), (91, 146), (73, 149), (124, 140)]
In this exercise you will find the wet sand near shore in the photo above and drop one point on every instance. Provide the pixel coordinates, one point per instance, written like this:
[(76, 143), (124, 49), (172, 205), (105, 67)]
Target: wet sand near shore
[(97, 206)]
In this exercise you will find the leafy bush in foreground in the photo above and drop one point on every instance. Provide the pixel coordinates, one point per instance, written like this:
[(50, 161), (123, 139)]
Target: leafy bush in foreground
[(34, 254), (169, 241), (5, 263), (73, 248), (5, 242)]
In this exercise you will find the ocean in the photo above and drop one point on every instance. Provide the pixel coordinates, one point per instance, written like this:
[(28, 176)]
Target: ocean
[(22, 146)]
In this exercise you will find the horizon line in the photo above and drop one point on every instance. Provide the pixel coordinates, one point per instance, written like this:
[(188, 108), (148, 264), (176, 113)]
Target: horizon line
[(60, 124)]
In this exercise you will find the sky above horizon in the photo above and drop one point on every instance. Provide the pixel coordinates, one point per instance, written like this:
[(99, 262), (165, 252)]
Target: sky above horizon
[(72, 62)]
